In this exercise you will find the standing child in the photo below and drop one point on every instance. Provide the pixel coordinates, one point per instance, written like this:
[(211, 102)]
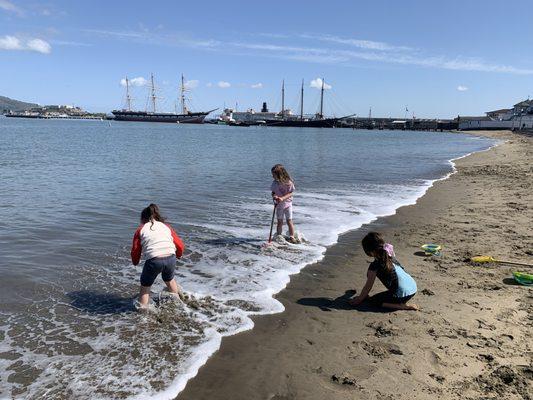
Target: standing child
[(282, 190), (160, 245), (401, 287)]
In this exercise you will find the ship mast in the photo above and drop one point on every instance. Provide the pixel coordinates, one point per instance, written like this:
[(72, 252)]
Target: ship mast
[(153, 92), (322, 100), (128, 97), (302, 102), (283, 99), (183, 107)]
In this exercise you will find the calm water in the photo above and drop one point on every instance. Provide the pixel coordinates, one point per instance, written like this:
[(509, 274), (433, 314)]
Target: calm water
[(70, 200)]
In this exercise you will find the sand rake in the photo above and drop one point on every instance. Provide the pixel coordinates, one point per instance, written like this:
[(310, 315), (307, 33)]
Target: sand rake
[(490, 259)]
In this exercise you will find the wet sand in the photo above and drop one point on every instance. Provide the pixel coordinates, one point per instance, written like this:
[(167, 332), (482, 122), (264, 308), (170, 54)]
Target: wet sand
[(472, 337)]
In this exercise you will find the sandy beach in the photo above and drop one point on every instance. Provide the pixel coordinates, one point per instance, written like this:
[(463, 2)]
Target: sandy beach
[(472, 337)]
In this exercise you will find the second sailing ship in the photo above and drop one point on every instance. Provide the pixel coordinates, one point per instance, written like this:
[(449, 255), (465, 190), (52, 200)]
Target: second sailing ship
[(185, 117)]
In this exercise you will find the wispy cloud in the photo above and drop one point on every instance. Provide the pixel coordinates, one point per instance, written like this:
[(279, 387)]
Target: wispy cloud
[(360, 43), (223, 84), (7, 5), (15, 43), (347, 50), (118, 34), (462, 88), (70, 43), (257, 86)]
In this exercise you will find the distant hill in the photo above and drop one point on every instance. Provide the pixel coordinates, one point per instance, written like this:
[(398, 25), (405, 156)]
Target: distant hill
[(7, 104)]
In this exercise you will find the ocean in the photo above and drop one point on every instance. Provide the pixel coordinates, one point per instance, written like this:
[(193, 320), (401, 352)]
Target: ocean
[(70, 201)]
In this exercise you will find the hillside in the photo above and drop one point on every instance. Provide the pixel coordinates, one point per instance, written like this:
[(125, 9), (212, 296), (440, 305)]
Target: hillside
[(7, 104)]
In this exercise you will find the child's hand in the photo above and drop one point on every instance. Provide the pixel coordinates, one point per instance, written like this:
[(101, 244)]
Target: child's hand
[(355, 301), (277, 199)]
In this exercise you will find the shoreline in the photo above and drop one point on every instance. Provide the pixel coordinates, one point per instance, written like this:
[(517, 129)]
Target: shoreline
[(259, 350), (214, 346)]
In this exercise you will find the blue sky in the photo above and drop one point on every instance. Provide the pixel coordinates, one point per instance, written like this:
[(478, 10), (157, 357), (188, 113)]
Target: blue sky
[(439, 59)]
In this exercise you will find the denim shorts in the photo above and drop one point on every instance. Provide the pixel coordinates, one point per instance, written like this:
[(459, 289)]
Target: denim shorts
[(158, 265), (388, 297)]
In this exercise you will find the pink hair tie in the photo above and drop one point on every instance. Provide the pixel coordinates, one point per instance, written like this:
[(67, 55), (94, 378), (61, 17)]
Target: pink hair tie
[(389, 249)]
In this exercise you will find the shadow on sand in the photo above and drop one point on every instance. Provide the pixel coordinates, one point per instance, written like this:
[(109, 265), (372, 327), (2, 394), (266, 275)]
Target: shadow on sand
[(511, 282), (340, 303), (100, 303)]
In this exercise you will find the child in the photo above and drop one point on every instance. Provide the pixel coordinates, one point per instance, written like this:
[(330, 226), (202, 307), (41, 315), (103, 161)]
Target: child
[(160, 245), (401, 287), (282, 191)]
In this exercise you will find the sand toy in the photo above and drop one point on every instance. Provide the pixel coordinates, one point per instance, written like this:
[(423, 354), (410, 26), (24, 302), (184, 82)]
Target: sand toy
[(431, 249), (523, 278), (490, 259)]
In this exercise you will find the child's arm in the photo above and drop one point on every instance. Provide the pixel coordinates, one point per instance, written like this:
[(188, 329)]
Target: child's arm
[(136, 247), (286, 196), (178, 243), (370, 278)]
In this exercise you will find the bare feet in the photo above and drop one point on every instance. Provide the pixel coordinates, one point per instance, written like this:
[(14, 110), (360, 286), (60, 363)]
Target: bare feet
[(401, 306)]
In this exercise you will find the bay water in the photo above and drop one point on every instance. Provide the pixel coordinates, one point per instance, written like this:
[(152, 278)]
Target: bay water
[(71, 194)]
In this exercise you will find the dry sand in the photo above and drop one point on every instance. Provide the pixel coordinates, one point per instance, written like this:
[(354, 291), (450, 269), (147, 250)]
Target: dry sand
[(472, 338)]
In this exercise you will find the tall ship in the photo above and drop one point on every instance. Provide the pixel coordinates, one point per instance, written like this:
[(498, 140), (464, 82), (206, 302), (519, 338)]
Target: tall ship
[(185, 117), (301, 121), (285, 117)]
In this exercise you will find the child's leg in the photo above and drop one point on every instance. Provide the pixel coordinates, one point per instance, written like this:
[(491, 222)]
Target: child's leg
[(144, 295), (291, 228), (173, 287), (279, 228), (288, 216)]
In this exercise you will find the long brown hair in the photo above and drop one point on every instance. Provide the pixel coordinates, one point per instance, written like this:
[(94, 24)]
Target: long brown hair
[(373, 245), (151, 213), (280, 174)]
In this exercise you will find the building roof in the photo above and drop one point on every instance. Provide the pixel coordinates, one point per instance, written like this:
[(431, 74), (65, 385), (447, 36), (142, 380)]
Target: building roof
[(524, 103), (503, 110), (471, 118)]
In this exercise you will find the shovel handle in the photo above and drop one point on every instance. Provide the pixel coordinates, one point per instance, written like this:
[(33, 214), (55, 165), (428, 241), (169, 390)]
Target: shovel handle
[(514, 263), (272, 223)]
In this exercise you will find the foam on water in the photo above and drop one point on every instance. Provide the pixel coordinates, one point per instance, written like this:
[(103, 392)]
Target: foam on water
[(89, 342)]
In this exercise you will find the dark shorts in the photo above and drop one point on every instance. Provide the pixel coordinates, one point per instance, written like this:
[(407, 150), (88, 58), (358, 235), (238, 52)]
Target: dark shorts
[(158, 265), (387, 297)]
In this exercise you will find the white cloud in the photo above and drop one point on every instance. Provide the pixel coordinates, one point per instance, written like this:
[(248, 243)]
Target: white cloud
[(14, 43), (209, 84), (39, 45), (193, 83), (139, 81), (257, 86), (10, 43), (317, 83), (462, 88), (223, 84), (9, 6)]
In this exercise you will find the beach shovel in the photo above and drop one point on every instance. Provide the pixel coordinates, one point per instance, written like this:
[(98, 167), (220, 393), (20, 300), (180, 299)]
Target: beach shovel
[(271, 225), (490, 259)]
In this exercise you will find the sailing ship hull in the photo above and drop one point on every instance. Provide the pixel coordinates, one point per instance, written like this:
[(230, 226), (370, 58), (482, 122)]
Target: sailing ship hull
[(311, 123), (142, 116)]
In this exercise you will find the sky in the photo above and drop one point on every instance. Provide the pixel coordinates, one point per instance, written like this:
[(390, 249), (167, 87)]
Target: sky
[(411, 57)]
